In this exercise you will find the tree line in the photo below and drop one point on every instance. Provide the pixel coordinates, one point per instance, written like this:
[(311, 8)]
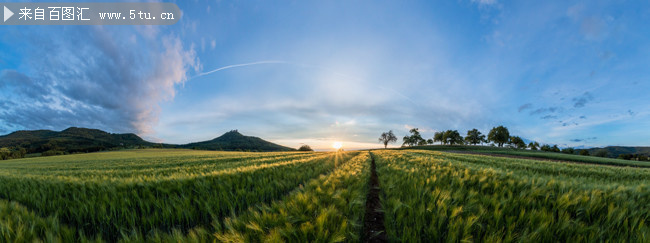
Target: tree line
[(498, 136), (12, 153)]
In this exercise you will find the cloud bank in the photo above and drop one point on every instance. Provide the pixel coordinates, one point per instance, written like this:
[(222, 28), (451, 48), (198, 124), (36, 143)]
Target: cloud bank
[(105, 78)]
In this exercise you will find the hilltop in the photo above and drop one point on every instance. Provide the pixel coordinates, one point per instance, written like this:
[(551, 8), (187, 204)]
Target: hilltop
[(83, 140), (70, 140), (615, 151), (234, 140)]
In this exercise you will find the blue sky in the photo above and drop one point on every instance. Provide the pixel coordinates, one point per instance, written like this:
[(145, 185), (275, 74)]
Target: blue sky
[(572, 73)]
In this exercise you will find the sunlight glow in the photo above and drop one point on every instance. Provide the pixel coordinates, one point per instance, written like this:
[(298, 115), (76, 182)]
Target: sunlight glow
[(337, 145)]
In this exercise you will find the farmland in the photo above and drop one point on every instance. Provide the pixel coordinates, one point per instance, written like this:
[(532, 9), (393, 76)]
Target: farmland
[(535, 154), (118, 194), (198, 196), (431, 195)]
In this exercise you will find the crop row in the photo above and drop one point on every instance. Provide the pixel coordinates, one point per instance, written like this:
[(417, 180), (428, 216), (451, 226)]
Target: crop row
[(80, 168), (18, 224), (431, 196), (535, 154), (112, 210), (571, 157), (328, 209), (573, 173)]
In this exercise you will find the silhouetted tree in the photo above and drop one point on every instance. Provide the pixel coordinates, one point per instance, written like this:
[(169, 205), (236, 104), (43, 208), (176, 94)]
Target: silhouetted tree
[(474, 137), (533, 145), (437, 137), (429, 141), (517, 142), (414, 139), (546, 148), (584, 152), (305, 148), (387, 137), (499, 135), (406, 141), (452, 137)]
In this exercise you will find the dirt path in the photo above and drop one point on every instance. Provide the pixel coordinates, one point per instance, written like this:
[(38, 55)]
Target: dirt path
[(373, 226)]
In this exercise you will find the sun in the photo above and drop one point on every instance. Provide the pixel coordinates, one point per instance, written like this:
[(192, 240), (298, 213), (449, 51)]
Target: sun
[(337, 145)]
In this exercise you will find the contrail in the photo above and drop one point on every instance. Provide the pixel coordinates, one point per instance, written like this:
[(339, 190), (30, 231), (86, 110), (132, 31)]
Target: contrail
[(400, 94), (300, 65), (276, 62), (239, 65)]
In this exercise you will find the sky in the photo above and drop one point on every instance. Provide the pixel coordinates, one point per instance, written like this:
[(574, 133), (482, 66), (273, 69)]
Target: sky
[(572, 73)]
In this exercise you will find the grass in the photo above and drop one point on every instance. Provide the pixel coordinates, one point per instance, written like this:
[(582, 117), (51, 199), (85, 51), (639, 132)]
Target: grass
[(18, 224), (434, 196), (135, 192), (171, 195), (535, 154), (328, 209)]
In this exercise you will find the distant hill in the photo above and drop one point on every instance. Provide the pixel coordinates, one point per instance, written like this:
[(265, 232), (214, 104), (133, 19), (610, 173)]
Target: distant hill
[(74, 140), (234, 140), (615, 151), (70, 140)]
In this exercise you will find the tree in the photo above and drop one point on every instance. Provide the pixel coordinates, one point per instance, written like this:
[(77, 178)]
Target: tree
[(429, 141), (568, 150), (18, 152), (406, 141), (474, 137), (533, 145), (499, 135), (4, 153), (555, 149), (306, 148), (452, 137), (12, 153), (584, 152), (625, 156), (414, 139), (546, 148), (602, 153), (387, 137), (437, 137), (517, 142)]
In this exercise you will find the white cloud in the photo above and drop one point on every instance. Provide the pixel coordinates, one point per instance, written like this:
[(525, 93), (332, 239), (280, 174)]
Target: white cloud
[(485, 2), (100, 80)]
